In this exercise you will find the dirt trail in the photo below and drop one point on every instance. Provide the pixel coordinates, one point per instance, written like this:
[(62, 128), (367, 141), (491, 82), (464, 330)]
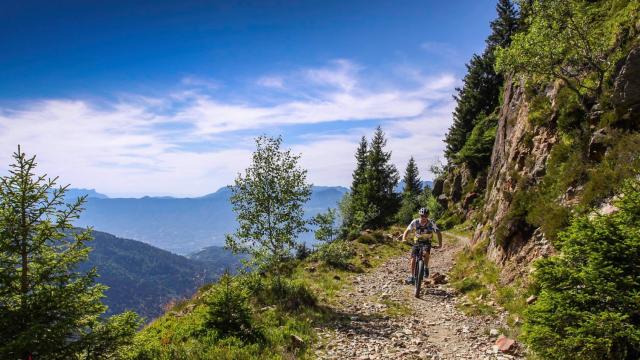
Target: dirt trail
[(383, 320)]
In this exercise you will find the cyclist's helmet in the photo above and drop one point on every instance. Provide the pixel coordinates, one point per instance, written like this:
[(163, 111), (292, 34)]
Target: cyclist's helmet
[(423, 211)]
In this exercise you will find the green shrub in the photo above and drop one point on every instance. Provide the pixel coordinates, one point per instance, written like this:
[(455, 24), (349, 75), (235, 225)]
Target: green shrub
[(373, 237), (229, 313), (540, 110), (589, 300), (476, 151), (620, 162), (336, 253), (570, 112)]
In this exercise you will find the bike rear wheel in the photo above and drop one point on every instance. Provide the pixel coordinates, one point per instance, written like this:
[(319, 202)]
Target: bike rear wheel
[(419, 276)]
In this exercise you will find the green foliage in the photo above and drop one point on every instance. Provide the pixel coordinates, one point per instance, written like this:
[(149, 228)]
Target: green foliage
[(411, 179), (476, 151), (571, 40), (229, 312), (589, 295), (427, 200), (382, 178), (268, 201), (410, 194), (472, 275), (372, 202), (336, 253), (450, 219), (570, 114), (48, 307), (326, 223), (480, 93), (540, 110), (620, 162)]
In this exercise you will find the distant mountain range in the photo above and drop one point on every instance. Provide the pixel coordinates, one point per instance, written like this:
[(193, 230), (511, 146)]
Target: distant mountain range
[(144, 278), (180, 225)]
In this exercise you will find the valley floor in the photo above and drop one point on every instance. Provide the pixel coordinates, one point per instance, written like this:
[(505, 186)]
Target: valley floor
[(381, 319)]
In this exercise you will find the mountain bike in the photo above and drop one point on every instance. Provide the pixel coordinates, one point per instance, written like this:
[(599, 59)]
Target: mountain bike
[(419, 270)]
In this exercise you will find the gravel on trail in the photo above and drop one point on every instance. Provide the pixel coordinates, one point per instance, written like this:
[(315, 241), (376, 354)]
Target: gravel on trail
[(381, 318)]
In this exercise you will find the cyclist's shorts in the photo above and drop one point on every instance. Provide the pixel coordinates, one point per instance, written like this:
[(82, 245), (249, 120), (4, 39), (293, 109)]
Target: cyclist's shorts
[(415, 250)]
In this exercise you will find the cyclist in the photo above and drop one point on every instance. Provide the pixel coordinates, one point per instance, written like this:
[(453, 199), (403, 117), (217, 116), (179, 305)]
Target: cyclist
[(424, 229)]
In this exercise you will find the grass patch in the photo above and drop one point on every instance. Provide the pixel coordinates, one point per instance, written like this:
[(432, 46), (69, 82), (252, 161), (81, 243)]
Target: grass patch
[(395, 308)]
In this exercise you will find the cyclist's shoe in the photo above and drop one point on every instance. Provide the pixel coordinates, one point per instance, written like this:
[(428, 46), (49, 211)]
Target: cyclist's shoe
[(410, 280)]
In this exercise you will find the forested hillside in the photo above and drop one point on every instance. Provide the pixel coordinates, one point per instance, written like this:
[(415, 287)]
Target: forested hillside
[(145, 279)]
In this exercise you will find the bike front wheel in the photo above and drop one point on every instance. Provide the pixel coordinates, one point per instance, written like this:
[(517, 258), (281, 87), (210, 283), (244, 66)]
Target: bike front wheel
[(419, 276)]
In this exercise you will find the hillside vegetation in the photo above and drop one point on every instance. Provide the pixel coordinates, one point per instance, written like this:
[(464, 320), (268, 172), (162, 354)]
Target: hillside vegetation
[(144, 279), (526, 175)]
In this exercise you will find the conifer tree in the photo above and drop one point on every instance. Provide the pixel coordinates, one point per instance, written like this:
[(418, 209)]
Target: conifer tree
[(479, 95), (361, 166), (411, 192), (48, 309), (412, 183), (381, 180), (504, 26)]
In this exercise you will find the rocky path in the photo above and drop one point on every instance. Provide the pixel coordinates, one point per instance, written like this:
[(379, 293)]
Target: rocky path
[(383, 320)]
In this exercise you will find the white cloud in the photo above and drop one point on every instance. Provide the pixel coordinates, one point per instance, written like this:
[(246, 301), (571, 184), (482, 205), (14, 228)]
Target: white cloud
[(445, 50), (188, 142), (274, 81)]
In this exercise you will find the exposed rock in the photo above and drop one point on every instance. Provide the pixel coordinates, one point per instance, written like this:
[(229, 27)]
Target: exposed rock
[(443, 201), (468, 199), (598, 145), (626, 91), (456, 188), (531, 299), (505, 344), (438, 185)]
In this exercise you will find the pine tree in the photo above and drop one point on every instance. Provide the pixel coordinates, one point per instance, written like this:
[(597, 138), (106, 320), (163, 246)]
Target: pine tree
[(381, 180), (411, 192), (412, 183), (479, 95), (504, 26), (48, 309), (361, 166)]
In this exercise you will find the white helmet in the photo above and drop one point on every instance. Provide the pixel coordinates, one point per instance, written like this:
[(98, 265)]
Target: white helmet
[(423, 211)]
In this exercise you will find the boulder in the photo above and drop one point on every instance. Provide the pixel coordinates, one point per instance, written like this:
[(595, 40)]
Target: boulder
[(598, 145), (438, 187), (531, 299), (505, 344)]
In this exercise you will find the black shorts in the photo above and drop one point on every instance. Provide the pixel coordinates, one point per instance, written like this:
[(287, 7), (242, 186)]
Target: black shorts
[(415, 250)]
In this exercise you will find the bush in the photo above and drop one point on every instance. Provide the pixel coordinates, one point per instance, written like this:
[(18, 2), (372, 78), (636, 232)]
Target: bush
[(476, 151), (229, 312), (374, 237), (589, 303), (336, 253)]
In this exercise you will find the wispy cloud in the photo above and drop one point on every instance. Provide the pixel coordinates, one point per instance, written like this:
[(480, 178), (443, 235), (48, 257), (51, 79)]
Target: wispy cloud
[(442, 49), (192, 141)]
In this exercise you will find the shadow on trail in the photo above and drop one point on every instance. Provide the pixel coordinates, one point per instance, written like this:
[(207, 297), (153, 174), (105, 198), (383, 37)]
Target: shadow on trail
[(377, 325)]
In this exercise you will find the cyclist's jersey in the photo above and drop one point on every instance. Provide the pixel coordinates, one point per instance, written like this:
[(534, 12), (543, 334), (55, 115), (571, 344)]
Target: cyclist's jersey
[(420, 229)]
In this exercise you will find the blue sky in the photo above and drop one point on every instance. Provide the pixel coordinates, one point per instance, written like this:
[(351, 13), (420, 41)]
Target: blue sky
[(165, 97)]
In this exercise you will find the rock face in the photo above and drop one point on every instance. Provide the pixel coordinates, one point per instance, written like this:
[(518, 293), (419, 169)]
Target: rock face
[(626, 93), (518, 161)]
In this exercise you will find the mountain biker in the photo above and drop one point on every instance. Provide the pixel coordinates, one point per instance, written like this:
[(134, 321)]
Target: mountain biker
[(424, 229)]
